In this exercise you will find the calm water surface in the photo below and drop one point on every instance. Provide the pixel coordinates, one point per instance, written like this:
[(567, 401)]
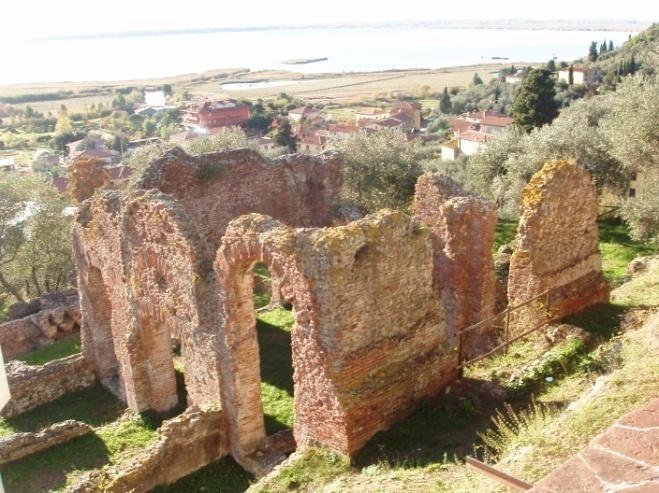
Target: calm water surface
[(347, 50)]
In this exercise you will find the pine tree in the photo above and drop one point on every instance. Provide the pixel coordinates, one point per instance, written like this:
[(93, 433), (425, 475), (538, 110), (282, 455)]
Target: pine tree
[(535, 104), (477, 80), (551, 65), (592, 51), (445, 102)]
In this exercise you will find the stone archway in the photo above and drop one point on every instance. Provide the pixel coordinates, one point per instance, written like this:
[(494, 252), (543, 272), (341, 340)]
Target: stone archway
[(251, 240), (169, 288)]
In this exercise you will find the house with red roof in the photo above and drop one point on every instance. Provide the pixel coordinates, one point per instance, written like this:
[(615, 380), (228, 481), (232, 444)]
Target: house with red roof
[(214, 114)]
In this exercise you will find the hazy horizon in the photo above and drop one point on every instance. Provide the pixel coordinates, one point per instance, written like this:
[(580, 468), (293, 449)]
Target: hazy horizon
[(74, 18)]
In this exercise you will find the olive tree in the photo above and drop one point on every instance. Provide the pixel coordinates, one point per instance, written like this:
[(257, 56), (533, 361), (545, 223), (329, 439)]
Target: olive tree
[(380, 170)]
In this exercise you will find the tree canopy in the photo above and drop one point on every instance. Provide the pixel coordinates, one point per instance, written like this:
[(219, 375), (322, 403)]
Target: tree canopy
[(535, 103)]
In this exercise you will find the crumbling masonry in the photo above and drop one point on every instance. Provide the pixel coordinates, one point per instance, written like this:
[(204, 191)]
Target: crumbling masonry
[(377, 302), (557, 244)]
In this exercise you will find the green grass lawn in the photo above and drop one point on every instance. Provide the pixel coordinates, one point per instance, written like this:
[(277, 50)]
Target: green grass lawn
[(59, 349), (113, 440)]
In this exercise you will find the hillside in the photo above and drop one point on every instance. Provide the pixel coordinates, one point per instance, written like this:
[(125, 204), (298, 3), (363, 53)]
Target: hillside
[(642, 48)]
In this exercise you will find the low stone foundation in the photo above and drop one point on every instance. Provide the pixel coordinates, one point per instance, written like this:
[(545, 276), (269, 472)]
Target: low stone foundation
[(187, 442), (32, 386), (54, 321), (21, 445)]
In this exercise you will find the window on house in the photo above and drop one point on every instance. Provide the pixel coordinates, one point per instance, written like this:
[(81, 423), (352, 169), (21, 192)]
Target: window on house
[(632, 192), (632, 176)]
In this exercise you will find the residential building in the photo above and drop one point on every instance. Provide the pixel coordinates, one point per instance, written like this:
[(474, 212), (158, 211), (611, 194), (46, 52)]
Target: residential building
[(370, 114), (409, 112), (104, 155), (516, 78), (264, 144), (314, 143), (472, 131), (215, 114), (580, 76), (450, 150), (306, 113)]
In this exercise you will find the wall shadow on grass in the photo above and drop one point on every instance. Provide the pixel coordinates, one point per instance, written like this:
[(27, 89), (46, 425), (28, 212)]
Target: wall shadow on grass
[(48, 470), (95, 406)]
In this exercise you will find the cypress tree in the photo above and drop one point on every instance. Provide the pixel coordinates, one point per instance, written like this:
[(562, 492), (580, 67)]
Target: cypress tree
[(445, 102), (535, 104), (610, 45), (592, 51), (570, 75)]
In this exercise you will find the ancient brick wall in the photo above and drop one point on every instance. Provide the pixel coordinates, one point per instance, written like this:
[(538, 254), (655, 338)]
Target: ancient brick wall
[(217, 187), (557, 244), (143, 282), (145, 263), (462, 231), (44, 327), (369, 340), (32, 386), (186, 443)]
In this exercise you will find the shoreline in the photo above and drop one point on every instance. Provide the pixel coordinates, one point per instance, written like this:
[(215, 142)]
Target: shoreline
[(237, 75)]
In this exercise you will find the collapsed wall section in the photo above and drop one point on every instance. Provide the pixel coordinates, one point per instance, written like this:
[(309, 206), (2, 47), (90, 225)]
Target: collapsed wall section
[(369, 341), (557, 244), (462, 229)]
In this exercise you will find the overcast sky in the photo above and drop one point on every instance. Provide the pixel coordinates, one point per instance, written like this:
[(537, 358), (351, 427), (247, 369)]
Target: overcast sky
[(30, 18)]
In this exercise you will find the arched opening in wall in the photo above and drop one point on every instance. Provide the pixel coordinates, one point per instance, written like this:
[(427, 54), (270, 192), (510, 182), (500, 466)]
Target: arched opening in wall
[(98, 330), (274, 321), (179, 373)]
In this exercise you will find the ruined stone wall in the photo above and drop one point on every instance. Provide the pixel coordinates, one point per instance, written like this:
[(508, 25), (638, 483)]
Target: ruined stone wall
[(557, 244), (143, 282), (32, 386), (462, 230), (186, 443), (369, 340), (145, 263), (41, 328), (19, 445), (217, 187)]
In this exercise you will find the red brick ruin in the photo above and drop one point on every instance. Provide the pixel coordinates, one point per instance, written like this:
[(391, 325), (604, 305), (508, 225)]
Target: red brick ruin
[(377, 302)]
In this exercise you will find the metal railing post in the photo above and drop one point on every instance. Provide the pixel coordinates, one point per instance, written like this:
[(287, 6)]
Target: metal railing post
[(507, 328)]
